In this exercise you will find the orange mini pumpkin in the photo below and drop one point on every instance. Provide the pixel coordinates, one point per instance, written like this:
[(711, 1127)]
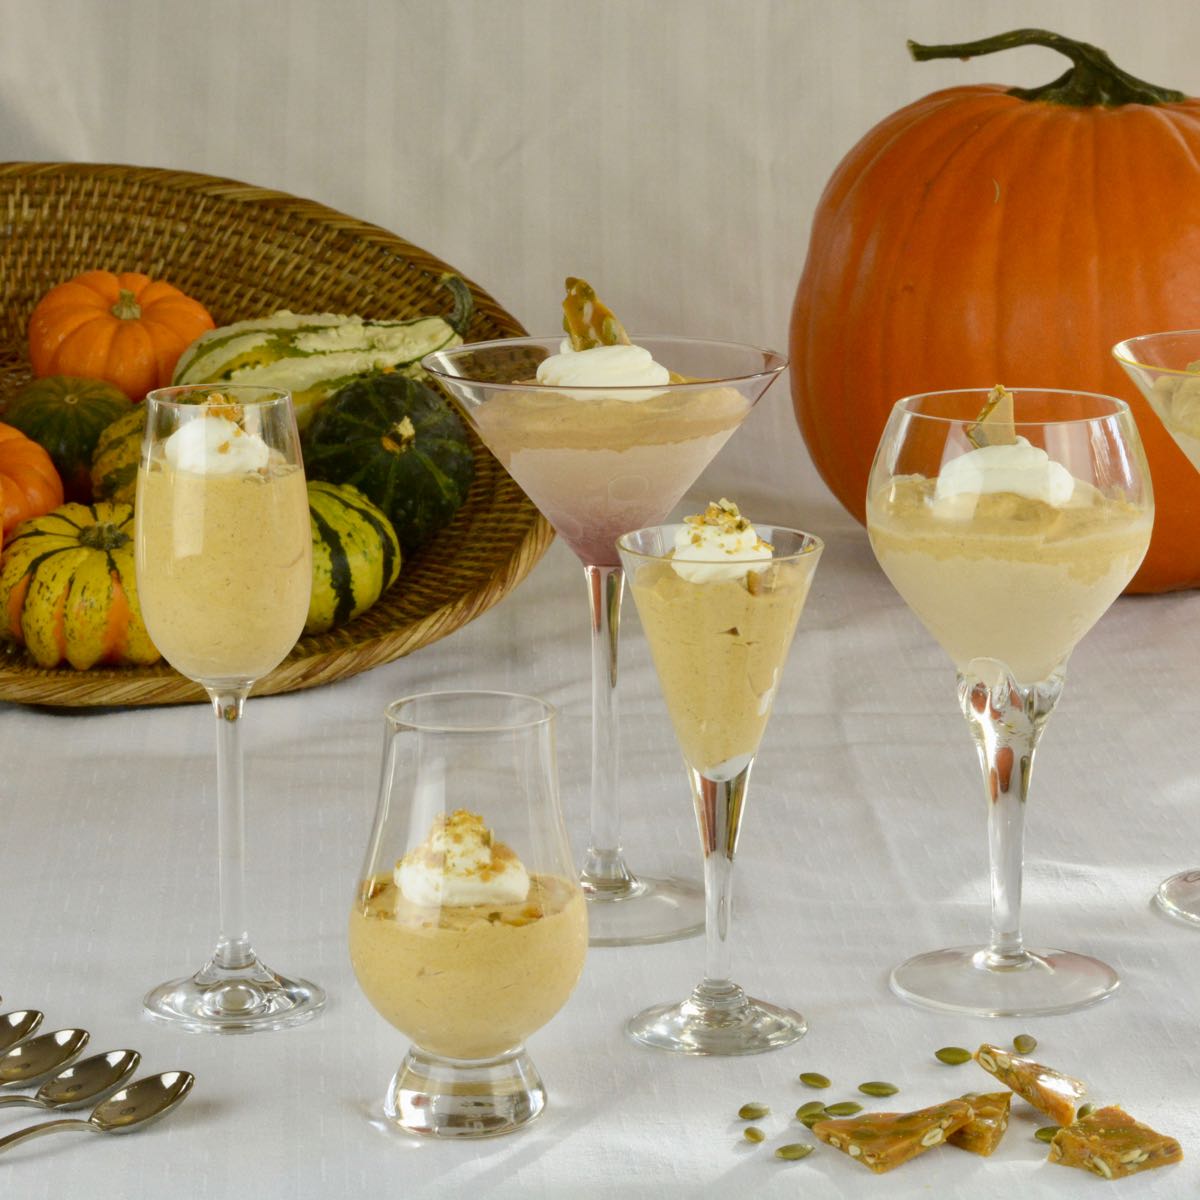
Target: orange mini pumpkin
[(29, 484), (127, 329)]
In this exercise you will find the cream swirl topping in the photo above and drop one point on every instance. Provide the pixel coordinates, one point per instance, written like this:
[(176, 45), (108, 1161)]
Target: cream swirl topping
[(1017, 467), (717, 544), (215, 445), (620, 366), (460, 864)]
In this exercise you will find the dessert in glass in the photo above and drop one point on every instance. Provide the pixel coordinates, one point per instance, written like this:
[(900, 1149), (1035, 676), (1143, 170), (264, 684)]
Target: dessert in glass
[(719, 601), (1166, 369), (224, 571), (468, 929), (605, 436), (1008, 522)]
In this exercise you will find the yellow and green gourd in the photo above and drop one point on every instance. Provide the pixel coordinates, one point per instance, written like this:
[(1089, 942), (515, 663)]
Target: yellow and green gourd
[(115, 460), (356, 556), (314, 355)]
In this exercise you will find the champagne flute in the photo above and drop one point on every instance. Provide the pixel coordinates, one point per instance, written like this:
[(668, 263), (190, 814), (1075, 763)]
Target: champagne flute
[(719, 633), (1008, 538), (1166, 369), (597, 461), (224, 573)]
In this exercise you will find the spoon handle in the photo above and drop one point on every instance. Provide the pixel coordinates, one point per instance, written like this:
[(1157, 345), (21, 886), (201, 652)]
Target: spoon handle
[(8, 1101), (32, 1131)]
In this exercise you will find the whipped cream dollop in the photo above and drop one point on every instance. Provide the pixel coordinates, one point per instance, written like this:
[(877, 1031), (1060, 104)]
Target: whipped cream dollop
[(460, 864), (717, 544), (1017, 467), (604, 366), (215, 445)]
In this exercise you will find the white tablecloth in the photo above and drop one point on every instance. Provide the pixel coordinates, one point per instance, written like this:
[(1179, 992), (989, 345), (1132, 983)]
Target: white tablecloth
[(459, 126)]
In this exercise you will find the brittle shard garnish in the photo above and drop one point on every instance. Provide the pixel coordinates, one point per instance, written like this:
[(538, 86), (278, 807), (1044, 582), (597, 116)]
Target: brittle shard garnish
[(1110, 1143), (587, 321), (996, 423), (1048, 1090), (982, 1133), (882, 1141)]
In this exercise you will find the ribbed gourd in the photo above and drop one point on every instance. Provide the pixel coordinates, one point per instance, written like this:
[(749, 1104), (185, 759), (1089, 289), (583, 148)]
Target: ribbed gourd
[(68, 591), (402, 445), (115, 460), (66, 415), (314, 355), (356, 556)]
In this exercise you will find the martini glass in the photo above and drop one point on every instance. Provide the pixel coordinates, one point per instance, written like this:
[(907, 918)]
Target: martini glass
[(1007, 571), (1166, 369), (224, 572), (719, 635), (598, 461)]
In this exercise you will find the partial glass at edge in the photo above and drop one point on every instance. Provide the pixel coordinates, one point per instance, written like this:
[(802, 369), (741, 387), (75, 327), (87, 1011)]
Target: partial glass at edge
[(1159, 364), (598, 462), (1008, 614), (224, 572), (719, 646)]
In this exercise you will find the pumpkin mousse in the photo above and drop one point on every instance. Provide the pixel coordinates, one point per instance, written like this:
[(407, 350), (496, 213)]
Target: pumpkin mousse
[(719, 614), (461, 948), (1176, 401)]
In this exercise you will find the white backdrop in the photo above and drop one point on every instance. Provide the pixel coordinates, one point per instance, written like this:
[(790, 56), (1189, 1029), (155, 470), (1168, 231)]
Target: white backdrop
[(672, 151)]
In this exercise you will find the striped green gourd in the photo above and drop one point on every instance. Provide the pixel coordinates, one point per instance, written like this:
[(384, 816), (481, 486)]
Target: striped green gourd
[(115, 460), (356, 556), (314, 355)]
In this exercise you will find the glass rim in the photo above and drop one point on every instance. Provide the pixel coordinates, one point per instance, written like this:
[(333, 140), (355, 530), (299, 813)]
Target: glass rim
[(1129, 361), (241, 393), (775, 364), (1119, 406), (812, 545), (545, 712)]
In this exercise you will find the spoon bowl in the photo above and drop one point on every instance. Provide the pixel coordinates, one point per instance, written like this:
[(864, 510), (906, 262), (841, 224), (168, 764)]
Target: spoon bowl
[(32, 1061), (82, 1083), (141, 1102), (17, 1026)]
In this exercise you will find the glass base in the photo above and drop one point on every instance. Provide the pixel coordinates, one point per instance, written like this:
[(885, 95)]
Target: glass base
[(449, 1098), (243, 1000), (1179, 896), (1041, 982), (724, 1022), (641, 911)]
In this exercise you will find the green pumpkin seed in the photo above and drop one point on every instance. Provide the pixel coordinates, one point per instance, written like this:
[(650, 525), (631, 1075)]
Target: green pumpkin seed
[(844, 1108), (1047, 1132), (1024, 1043), (813, 1080), (875, 1088), (810, 1119), (1085, 1110), (753, 1112), (752, 1133), (793, 1151), (952, 1056), (805, 1110)]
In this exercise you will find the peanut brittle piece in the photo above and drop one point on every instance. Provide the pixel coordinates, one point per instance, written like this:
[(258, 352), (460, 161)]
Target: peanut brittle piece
[(587, 321), (1110, 1143), (881, 1141), (982, 1133), (1050, 1091)]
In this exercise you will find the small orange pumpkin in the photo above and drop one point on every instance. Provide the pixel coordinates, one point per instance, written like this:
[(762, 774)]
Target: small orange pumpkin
[(127, 329), (29, 484)]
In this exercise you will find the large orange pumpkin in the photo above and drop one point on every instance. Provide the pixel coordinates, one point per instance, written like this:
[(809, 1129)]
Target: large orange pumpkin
[(29, 484), (986, 234), (127, 329)]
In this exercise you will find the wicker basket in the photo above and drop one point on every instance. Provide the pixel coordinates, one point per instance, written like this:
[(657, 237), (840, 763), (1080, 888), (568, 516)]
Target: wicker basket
[(244, 251)]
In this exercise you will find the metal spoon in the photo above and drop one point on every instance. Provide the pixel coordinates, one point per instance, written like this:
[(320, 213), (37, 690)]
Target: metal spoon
[(17, 1026), (32, 1061), (82, 1083), (130, 1109)]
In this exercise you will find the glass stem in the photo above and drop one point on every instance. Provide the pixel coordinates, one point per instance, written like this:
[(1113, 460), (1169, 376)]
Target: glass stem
[(605, 874), (719, 804), (233, 950), (1006, 720)]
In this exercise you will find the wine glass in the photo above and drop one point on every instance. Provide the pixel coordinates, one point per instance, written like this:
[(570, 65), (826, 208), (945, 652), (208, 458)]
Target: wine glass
[(598, 461), (468, 929), (1166, 369), (719, 635), (1008, 541), (224, 572)]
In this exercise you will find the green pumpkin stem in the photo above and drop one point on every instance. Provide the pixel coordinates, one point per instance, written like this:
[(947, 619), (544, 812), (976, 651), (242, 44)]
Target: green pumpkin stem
[(126, 307), (1093, 78), (103, 535)]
